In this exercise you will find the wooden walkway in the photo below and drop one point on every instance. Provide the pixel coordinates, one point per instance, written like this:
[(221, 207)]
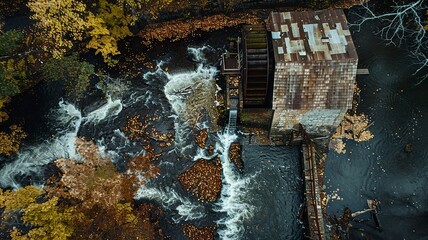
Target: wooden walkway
[(312, 193)]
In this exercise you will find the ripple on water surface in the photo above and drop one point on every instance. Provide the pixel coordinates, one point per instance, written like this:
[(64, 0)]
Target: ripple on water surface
[(276, 192), (380, 168)]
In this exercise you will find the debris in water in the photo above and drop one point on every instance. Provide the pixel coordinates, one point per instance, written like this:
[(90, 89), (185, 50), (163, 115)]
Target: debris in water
[(235, 156), (194, 233), (210, 149), (408, 148), (203, 179), (201, 138), (352, 127)]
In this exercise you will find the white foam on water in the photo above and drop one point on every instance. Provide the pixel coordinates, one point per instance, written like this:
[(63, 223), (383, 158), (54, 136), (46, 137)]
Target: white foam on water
[(181, 86), (233, 201), (109, 109), (201, 154), (142, 95), (197, 53), (30, 159), (169, 198)]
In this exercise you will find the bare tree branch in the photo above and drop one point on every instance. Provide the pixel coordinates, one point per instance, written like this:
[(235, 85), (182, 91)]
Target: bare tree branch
[(404, 24)]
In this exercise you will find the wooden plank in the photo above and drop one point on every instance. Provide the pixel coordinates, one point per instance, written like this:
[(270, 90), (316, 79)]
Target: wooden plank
[(363, 71)]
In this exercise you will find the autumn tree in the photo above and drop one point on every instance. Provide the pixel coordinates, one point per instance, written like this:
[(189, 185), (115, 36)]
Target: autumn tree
[(107, 27), (10, 41), (61, 22), (45, 219), (86, 200), (75, 74), (98, 188), (10, 142), (10, 8), (121, 221), (94, 181), (8, 87), (3, 115), (150, 8), (17, 200), (14, 74)]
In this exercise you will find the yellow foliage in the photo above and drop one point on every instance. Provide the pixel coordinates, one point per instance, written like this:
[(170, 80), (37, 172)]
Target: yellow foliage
[(125, 209), (19, 199), (48, 221), (151, 7), (10, 142), (106, 28), (3, 115), (61, 21)]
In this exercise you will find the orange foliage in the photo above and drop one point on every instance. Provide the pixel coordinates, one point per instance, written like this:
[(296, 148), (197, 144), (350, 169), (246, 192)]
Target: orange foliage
[(179, 29), (104, 195), (119, 222), (139, 129), (201, 138), (194, 233), (203, 179), (95, 181), (140, 169)]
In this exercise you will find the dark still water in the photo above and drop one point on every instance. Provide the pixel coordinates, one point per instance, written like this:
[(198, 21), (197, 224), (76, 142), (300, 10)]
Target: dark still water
[(276, 192), (380, 168)]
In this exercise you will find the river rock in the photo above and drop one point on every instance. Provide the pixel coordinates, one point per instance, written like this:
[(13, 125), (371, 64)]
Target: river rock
[(201, 138), (235, 156), (203, 179)]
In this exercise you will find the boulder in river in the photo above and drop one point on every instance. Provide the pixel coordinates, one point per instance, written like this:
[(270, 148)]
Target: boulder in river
[(203, 179)]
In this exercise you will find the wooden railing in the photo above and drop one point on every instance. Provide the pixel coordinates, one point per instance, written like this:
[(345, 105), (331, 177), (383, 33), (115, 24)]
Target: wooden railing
[(313, 198)]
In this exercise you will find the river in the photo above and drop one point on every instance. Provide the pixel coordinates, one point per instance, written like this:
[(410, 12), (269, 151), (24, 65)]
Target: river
[(264, 202), (380, 168)]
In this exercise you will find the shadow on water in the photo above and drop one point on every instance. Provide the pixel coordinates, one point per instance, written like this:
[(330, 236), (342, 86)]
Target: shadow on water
[(380, 168)]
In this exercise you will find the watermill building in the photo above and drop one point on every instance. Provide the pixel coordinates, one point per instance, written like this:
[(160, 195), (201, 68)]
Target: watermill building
[(298, 69), (315, 69)]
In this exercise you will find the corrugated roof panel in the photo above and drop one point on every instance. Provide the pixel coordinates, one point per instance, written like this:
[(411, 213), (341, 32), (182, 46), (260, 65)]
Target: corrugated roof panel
[(284, 28), (334, 36), (276, 35), (327, 33), (286, 15), (295, 30)]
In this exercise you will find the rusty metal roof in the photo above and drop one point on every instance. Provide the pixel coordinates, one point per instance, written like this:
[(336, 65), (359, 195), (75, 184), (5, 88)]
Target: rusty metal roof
[(311, 36)]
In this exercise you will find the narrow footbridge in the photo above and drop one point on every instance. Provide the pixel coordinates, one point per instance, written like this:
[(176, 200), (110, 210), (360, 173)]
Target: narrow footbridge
[(312, 192)]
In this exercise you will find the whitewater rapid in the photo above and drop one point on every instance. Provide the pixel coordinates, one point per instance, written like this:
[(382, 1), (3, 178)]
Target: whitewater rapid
[(233, 205), (68, 120), (233, 202), (170, 199)]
